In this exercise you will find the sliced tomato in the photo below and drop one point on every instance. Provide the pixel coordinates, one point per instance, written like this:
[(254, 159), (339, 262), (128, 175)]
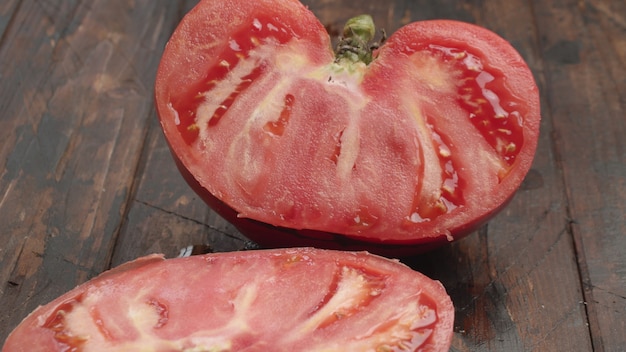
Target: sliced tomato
[(267, 300), (415, 149)]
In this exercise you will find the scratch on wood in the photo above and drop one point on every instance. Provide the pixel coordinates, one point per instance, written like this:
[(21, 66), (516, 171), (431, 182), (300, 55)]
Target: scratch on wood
[(157, 32), (575, 309), (9, 22), (607, 291), (212, 228), (7, 191), (65, 157), (538, 262), (605, 10), (101, 182)]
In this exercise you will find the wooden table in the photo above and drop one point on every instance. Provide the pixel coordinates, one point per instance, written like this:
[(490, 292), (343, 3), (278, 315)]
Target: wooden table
[(88, 183)]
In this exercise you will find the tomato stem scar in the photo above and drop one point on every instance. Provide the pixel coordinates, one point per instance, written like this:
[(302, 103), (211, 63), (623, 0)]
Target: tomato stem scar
[(355, 45)]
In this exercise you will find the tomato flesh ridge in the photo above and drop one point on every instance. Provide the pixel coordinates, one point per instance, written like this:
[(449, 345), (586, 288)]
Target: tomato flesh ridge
[(450, 196), (246, 81), (353, 283), (99, 322), (480, 90), (277, 127)]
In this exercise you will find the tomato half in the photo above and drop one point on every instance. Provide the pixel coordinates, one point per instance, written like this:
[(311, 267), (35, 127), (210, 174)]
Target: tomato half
[(267, 300), (297, 147)]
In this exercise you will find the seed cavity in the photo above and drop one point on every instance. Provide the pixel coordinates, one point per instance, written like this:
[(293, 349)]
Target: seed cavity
[(278, 126), (238, 50), (244, 83), (427, 205), (56, 322), (480, 94), (337, 150), (162, 312)]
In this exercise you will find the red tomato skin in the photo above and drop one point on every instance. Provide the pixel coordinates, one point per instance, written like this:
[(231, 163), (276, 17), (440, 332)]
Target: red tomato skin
[(406, 240), (187, 299)]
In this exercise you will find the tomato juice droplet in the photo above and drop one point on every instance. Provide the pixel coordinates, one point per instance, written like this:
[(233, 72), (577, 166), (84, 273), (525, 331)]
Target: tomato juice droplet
[(363, 219), (238, 47)]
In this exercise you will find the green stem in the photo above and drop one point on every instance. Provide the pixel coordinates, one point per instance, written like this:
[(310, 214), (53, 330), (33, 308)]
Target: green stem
[(355, 44)]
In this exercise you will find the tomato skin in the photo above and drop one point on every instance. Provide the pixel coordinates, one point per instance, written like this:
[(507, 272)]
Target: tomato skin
[(329, 300), (477, 169)]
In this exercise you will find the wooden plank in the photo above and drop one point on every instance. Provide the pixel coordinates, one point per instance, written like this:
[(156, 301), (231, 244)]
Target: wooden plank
[(77, 95), (584, 49), (530, 247), (23, 157), (83, 159), (7, 13)]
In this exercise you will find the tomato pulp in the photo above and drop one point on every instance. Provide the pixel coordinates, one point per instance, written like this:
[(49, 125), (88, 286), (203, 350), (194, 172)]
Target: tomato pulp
[(296, 146), (268, 300)]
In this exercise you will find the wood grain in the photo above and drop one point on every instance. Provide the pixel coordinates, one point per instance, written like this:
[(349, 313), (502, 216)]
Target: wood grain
[(88, 182), (165, 216), (584, 54), (76, 101)]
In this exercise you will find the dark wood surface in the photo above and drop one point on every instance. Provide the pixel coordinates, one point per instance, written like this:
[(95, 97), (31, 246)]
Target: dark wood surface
[(87, 181)]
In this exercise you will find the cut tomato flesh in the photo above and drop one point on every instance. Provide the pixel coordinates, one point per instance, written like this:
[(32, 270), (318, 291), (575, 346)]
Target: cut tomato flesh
[(423, 144), (280, 300), (239, 46), (493, 111)]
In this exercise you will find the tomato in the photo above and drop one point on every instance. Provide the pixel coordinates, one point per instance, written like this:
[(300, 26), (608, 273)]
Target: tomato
[(298, 147), (266, 300)]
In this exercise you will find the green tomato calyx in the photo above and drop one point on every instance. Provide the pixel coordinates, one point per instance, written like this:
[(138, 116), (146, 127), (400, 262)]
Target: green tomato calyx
[(356, 43)]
